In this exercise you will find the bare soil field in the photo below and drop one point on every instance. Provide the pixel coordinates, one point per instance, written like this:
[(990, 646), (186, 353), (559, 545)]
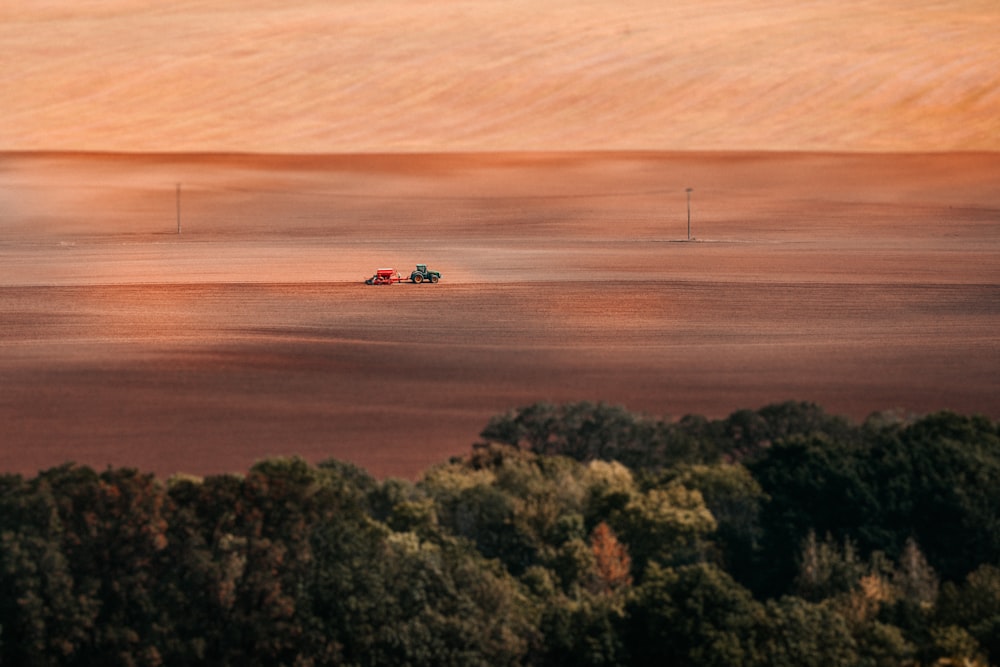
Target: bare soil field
[(357, 76), (862, 282)]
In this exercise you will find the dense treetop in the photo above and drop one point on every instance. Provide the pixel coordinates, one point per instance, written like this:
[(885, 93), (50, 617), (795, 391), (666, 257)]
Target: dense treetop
[(577, 534)]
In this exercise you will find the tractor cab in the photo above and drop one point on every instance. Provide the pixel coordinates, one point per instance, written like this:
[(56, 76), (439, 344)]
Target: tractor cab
[(421, 273)]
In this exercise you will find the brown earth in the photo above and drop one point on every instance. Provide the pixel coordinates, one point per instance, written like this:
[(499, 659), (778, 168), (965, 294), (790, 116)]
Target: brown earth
[(862, 282)]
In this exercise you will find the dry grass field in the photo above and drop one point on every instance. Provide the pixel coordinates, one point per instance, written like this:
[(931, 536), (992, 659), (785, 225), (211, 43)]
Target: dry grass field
[(859, 281)]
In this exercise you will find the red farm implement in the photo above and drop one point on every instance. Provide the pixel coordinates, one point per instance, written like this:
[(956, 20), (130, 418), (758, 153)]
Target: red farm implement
[(384, 277)]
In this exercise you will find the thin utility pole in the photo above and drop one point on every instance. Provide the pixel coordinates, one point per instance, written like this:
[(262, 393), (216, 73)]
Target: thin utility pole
[(689, 190), (178, 208)]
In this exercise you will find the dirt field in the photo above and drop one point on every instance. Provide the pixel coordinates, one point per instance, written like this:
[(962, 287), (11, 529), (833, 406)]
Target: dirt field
[(861, 282), (313, 76)]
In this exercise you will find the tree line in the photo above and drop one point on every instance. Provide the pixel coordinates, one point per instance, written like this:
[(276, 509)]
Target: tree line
[(577, 534)]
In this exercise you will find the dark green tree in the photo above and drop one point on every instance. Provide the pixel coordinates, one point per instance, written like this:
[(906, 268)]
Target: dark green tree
[(813, 484), (797, 633), (974, 607), (735, 500), (936, 480), (585, 630), (386, 598), (45, 618), (692, 615), (589, 431), (113, 533)]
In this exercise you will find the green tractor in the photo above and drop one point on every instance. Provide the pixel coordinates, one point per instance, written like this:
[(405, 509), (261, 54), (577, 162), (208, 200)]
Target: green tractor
[(420, 274)]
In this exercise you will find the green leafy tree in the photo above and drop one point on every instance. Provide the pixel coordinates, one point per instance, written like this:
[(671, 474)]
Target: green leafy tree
[(207, 559), (974, 606), (608, 488), (952, 645), (242, 552), (573, 566), (813, 484), (882, 645), (44, 618), (667, 525), (596, 431), (583, 631), (513, 505), (692, 615), (798, 633), (385, 598), (937, 480), (196, 584), (734, 499), (114, 531), (746, 434)]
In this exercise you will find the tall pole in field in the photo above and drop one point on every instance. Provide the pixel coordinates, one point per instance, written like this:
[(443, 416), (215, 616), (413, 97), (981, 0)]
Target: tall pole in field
[(178, 208), (689, 190)]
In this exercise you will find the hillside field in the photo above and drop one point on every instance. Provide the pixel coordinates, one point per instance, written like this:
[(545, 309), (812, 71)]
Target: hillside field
[(862, 282)]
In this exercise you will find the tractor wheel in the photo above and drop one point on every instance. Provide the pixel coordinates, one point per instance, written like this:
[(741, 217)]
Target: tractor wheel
[(418, 279), (434, 279)]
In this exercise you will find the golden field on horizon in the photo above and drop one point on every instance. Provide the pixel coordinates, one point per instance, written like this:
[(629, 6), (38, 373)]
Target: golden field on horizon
[(270, 76)]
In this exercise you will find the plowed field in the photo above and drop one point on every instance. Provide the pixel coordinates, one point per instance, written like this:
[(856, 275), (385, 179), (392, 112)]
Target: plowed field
[(861, 282)]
